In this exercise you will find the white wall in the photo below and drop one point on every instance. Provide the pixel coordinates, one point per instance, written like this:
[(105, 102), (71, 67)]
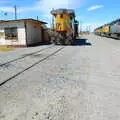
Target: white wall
[(33, 33), (21, 33)]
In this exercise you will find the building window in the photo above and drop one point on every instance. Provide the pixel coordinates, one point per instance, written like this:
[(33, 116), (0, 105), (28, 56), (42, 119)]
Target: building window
[(11, 33)]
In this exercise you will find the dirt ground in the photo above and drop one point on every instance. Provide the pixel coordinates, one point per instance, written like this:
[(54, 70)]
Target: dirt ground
[(79, 82)]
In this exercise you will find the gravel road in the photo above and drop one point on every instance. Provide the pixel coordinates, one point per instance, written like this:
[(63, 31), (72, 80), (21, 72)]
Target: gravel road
[(80, 82)]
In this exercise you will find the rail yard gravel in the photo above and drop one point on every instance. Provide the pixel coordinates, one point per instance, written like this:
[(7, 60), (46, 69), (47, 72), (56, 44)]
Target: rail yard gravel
[(79, 82)]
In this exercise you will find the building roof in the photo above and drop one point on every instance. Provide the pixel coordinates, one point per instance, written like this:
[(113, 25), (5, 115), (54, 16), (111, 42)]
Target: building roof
[(29, 20)]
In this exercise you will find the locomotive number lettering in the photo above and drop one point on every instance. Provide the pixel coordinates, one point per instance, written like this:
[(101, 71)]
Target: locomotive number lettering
[(58, 26)]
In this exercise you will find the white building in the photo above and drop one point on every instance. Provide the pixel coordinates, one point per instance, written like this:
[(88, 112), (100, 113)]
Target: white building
[(24, 32)]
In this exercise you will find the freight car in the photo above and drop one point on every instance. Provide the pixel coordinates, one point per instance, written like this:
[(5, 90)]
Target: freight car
[(109, 30), (98, 31), (65, 27), (115, 29)]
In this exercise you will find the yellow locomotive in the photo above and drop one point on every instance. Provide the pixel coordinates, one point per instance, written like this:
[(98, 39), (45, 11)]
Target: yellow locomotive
[(106, 29), (65, 27)]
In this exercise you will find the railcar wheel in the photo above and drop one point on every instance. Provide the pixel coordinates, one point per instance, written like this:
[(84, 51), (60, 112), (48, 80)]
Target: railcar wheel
[(68, 41), (53, 40)]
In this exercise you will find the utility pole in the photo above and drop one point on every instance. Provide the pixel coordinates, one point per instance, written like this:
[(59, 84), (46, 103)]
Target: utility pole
[(80, 27), (37, 18), (89, 29), (15, 8), (52, 20), (86, 28)]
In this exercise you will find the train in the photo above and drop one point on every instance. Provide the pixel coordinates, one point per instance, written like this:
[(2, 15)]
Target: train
[(65, 27), (109, 30)]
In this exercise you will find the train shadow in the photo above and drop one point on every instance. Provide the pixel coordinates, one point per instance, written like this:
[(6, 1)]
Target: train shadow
[(39, 44), (81, 42), (77, 42)]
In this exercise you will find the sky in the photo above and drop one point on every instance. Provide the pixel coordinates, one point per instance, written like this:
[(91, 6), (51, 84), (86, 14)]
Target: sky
[(89, 13)]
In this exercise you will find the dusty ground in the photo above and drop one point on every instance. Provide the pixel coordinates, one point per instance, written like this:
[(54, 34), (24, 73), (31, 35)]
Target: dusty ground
[(80, 82), (5, 49)]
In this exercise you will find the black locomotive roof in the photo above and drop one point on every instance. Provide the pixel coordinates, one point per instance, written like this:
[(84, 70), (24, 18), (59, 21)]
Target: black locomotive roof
[(62, 10), (113, 22)]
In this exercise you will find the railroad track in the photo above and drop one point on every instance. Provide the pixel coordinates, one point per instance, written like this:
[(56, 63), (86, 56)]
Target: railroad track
[(19, 72), (22, 57)]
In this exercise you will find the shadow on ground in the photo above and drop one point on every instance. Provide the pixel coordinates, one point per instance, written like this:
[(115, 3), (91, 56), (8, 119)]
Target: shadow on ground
[(78, 42), (82, 42), (39, 44)]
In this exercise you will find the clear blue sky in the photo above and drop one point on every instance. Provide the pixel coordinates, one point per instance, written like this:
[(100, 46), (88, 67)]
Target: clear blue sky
[(89, 12)]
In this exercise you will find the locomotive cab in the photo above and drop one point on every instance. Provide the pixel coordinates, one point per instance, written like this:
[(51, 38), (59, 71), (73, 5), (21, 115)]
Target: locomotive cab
[(64, 19)]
